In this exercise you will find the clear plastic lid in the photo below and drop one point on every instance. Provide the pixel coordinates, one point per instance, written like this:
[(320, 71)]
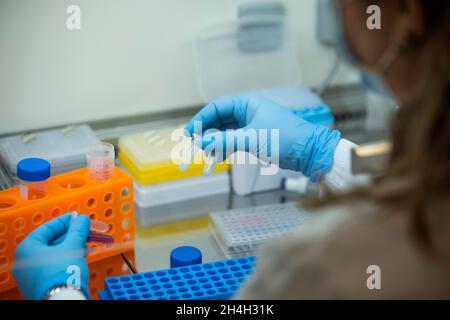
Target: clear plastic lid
[(241, 231), (63, 148), (228, 63)]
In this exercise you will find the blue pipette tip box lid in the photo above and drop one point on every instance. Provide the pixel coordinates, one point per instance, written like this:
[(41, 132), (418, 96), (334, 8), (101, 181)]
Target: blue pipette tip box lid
[(33, 169), (185, 256)]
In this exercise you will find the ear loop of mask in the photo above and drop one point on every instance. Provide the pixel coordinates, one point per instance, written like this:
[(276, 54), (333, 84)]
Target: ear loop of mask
[(372, 79), (388, 57)]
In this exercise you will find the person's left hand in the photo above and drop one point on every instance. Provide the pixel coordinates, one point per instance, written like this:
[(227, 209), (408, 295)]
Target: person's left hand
[(50, 255)]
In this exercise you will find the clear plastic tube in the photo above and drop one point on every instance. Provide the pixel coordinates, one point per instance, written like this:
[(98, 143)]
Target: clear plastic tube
[(96, 229), (186, 158), (100, 161), (95, 225), (33, 190), (99, 226), (189, 153), (33, 174), (100, 238), (210, 163)]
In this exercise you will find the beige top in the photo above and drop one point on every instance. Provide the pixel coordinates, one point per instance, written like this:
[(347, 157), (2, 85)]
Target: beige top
[(328, 258)]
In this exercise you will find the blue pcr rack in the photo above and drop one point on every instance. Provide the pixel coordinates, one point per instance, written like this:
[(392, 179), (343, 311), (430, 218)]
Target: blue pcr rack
[(210, 281)]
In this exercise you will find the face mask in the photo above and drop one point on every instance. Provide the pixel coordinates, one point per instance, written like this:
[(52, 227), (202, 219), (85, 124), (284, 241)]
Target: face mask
[(368, 79), (373, 83)]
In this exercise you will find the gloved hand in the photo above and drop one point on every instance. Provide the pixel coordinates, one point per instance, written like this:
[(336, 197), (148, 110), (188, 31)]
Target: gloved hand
[(303, 146), (43, 258)]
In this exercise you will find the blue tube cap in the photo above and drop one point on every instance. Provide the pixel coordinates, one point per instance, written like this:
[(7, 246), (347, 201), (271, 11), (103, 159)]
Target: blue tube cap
[(185, 256), (33, 169)]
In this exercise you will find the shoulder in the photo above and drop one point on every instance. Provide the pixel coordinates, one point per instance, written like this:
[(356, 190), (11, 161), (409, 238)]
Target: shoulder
[(335, 254), (295, 267)]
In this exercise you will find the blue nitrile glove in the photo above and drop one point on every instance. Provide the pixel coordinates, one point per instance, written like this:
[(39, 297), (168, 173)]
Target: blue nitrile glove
[(303, 146), (48, 256)]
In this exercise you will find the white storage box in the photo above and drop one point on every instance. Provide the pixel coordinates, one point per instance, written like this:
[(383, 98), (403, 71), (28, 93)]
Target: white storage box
[(182, 199), (180, 190), (181, 210)]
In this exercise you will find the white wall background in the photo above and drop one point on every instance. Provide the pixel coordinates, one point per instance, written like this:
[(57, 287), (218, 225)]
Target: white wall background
[(130, 57)]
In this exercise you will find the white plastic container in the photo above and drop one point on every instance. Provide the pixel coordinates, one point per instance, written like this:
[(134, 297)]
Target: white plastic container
[(247, 178), (181, 190), (181, 199), (181, 210)]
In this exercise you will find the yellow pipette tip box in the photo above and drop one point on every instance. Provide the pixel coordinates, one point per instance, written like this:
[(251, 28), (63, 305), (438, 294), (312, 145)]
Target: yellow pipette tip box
[(148, 157)]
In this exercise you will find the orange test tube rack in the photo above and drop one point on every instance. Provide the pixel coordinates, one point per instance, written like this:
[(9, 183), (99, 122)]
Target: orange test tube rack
[(107, 268), (109, 200)]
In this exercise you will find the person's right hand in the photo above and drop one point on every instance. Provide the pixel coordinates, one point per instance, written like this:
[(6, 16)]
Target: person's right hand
[(50, 254), (303, 146)]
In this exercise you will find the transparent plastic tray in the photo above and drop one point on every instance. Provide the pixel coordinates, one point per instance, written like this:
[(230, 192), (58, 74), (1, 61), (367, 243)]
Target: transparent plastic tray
[(63, 148), (240, 231), (224, 67), (5, 180)]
